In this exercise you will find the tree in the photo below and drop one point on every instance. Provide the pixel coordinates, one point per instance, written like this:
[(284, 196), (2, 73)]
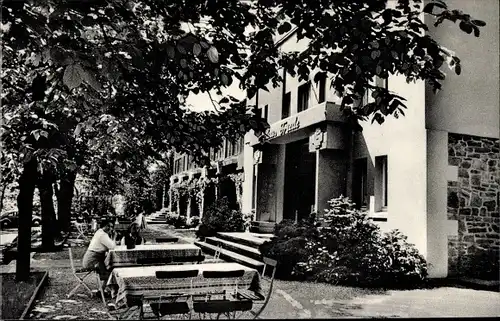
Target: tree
[(93, 68)]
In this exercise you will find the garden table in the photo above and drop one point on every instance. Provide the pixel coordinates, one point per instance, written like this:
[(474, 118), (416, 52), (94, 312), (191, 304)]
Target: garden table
[(121, 256), (133, 282)]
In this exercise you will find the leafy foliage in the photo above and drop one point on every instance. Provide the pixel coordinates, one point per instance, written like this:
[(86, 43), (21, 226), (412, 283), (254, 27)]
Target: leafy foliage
[(193, 221), (481, 263), (99, 87), (288, 245), (220, 217), (345, 247)]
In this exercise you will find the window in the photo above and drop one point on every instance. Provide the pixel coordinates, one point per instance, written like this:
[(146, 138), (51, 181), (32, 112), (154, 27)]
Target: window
[(321, 85), (285, 108), (379, 82), (303, 97), (226, 148), (265, 112), (381, 183), (177, 164), (360, 183)]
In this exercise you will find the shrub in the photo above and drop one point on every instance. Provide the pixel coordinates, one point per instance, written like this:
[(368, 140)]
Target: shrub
[(481, 263), (171, 218), (352, 250), (219, 217), (193, 221), (180, 222), (288, 246), (248, 217), (345, 247)]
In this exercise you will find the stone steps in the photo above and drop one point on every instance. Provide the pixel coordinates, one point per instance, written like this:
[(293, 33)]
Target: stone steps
[(245, 238), (262, 227), (230, 255), (242, 249)]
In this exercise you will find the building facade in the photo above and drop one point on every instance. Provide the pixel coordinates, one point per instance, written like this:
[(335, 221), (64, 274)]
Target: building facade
[(194, 188), (433, 174)]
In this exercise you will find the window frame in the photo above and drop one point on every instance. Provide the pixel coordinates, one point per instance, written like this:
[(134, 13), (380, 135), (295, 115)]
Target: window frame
[(303, 96), (286, 105)]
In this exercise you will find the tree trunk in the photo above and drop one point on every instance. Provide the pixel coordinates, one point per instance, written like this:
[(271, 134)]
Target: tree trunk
[(2, 196), (27, 184), (48, 213), (65, 200)]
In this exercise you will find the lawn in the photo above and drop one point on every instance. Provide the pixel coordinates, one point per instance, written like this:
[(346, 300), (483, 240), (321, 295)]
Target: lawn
[(16, 295)]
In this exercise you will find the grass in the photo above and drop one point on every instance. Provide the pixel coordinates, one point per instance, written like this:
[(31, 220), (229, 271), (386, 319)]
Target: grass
[(16, 295), (53, 301), (78, 253)]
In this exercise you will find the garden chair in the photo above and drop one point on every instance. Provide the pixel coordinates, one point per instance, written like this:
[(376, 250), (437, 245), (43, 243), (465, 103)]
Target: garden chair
[(81, 275), (81, 228), (171, 304), (224, 302), (257, 298), (217, 252)]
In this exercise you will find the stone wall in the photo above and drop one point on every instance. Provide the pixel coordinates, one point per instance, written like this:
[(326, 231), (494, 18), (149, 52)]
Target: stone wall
[(473, 200)]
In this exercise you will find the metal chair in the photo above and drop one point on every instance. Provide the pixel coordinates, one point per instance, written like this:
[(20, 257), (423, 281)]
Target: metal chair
[(171, 304), (81, 229), (258, 298), (217, 251), (81, 275), (227, 305)]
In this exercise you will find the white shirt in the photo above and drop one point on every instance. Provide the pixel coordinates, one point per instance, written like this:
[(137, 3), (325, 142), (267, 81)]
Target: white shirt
[(141, 221), (101, 242)]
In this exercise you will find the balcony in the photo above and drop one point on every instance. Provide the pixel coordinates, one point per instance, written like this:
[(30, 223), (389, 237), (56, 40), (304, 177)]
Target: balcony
[(302, 124)]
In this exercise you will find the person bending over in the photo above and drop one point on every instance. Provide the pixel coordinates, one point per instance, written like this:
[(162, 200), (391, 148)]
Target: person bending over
[(101, 243), (133, 236)]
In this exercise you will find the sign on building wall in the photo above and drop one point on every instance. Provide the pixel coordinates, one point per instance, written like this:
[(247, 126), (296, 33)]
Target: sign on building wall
[(283, 128)]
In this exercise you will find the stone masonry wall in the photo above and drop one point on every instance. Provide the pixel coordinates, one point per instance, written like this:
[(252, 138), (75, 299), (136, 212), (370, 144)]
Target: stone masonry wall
[(473, 201)]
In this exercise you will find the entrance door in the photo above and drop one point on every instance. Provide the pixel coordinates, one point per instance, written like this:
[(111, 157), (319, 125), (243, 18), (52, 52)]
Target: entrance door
[(300, 180)]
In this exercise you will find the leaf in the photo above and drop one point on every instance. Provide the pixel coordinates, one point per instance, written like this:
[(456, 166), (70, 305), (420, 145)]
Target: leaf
[(476, 30), (196, 49), (181, 48), (225, 79), (465, 27), (72, 77), (213, 54), (170, 52), (204, 44), (375, 54), (89, 78), (183, 63), (36, 59), (479, 23), (36, 133), (78, 129), (284, 28), (429, 7)]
